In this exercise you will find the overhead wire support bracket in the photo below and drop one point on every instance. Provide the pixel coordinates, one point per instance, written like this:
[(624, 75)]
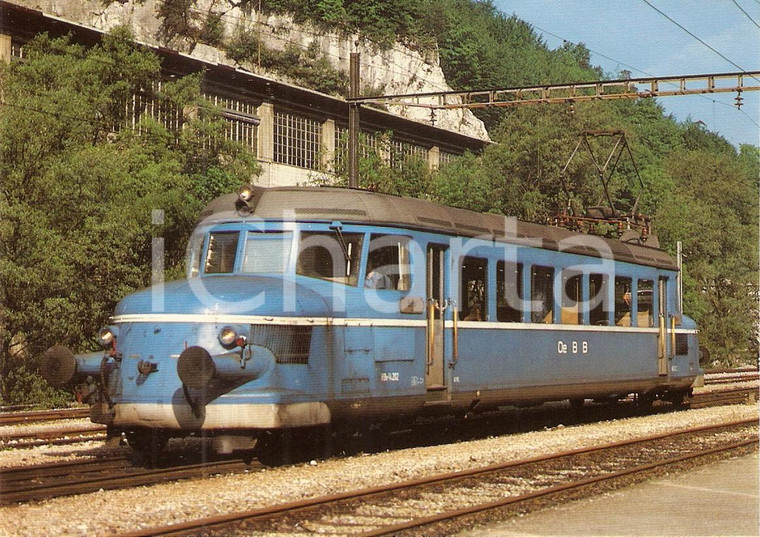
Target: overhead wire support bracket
[(629, 88)]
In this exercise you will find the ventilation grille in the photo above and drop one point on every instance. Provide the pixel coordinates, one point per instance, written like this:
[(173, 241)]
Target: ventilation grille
[(289, 344), (682, 344)]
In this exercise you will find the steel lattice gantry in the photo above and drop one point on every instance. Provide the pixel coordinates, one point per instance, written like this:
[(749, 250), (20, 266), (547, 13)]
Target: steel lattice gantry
[(632, 88)]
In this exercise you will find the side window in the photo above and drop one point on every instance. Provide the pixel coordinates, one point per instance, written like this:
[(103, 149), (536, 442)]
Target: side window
[(330, 256), (194, 253), (509, 292), (598, 301), (473, 298), (221, 252), (571, 298), (623, 301), (542, 294), (388, 263), (645, 294)]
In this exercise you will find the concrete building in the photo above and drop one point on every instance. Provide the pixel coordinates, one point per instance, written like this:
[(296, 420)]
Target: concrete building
[(297, 134)]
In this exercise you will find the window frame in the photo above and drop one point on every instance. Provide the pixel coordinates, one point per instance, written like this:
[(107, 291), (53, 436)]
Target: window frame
[(352, 279), (481, 266), (543, 316), (403, 279), (501, 289)]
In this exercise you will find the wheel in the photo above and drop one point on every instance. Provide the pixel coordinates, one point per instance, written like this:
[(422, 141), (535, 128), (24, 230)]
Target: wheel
[(680, 399), (147, 445), (286, 446), (644, 401)]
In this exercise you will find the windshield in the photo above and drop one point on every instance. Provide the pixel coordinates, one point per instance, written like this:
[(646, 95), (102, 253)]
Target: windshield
[(220, 254), (262, 252), (266, 252)]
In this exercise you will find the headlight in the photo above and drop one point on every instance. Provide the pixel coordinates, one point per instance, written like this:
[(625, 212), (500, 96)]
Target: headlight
[(106, 336), (245, 193), (228, 337)]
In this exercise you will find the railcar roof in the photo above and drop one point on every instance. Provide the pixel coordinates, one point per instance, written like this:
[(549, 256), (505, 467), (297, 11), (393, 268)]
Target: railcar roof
[(361, 206)]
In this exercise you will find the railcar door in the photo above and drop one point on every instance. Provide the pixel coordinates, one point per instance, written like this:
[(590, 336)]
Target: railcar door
[(435, 379)]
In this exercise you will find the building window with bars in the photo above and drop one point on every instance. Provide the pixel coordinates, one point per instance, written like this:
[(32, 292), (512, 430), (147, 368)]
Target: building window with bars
[(369, 145), (148, 103), (240, 119), (402, 152), (297, 140), (445, 158), (17, 51)]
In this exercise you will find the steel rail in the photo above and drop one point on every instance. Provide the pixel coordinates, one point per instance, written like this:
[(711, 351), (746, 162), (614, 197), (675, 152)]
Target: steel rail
[(725, 397), (449, 515), (56, 433), (14, 418), (16, 479), (57, 441), (139, 478), (730, 379), (277, 510)]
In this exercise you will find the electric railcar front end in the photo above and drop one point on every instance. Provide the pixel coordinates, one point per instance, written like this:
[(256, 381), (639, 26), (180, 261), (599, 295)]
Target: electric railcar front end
[(234, 347)]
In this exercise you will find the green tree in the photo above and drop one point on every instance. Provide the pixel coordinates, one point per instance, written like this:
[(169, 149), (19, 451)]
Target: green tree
[(78, 190), (713, 210)]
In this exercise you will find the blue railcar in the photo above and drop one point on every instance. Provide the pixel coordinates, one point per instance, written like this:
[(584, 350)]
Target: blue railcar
[(311, 307)]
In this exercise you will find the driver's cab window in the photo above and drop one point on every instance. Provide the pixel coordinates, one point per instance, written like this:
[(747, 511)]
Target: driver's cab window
[(330, 256), (221, 252), (388, 265)]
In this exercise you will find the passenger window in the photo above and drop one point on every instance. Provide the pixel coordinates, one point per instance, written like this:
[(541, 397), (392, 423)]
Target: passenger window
[(330, 256), (220, 255), (645, 293), (598, 301), (571, 298), (542, 294), (388, 263), (474, 275), (509, 292), (623, 301)]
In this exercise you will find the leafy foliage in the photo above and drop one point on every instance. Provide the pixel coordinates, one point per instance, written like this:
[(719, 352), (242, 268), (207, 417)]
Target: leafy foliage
[(78, 191), (310, 67)]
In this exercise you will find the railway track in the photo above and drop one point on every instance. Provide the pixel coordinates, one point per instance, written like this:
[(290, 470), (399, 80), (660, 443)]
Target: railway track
[(30, 439), (40, 482), (730, 376), (21, 439), (439, 500), (725, 397), (34, 416)]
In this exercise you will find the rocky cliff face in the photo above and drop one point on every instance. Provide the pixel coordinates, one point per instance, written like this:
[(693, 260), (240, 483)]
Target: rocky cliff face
[(394, 70)]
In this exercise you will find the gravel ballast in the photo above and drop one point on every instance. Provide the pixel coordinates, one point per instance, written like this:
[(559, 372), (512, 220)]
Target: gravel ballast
[(123, 510)]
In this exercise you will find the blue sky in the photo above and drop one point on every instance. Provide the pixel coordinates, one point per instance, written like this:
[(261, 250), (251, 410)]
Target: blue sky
[(632, 35)]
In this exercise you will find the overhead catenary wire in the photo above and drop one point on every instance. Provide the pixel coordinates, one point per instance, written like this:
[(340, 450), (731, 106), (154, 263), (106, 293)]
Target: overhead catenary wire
[(713, 100), (682, 27), (747, 14)]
